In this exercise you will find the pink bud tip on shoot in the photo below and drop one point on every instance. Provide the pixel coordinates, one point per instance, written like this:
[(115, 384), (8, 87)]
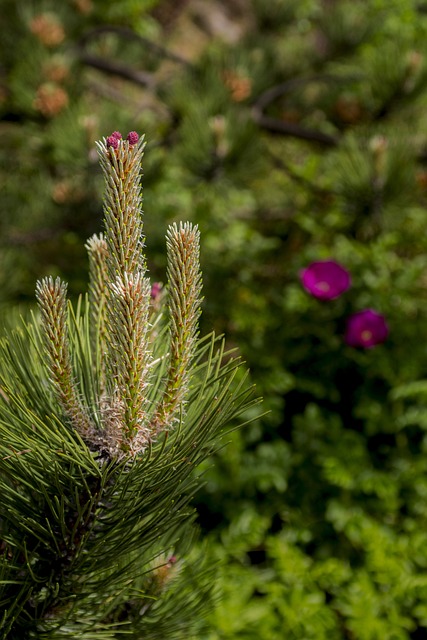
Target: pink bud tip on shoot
[(112, 141), (116, 134), (132, 137), (156, 289)]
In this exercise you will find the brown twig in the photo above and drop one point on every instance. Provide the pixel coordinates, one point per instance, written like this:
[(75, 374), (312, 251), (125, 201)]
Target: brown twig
[(126, 32), (115, 68), (32, 237), (290, 128)]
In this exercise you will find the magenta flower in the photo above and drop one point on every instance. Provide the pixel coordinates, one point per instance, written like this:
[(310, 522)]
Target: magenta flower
[(116, 134), (325, 279), (132, 137), (366, 329)]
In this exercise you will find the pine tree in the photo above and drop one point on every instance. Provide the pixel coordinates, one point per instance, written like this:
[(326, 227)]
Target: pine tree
[(106, 411)]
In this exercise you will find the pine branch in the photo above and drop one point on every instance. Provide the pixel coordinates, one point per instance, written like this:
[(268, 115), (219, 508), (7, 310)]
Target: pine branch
[(71, 497)]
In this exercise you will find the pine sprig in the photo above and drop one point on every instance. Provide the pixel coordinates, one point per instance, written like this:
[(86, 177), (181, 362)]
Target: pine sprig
[(121, 166), (52, 299), (184, 300), (130, 359), (127, 295), (97, 250)]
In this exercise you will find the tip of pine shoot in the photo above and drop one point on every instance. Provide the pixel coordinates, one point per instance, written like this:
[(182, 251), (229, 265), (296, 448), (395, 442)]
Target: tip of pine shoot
[(113, 141), (132, 137)]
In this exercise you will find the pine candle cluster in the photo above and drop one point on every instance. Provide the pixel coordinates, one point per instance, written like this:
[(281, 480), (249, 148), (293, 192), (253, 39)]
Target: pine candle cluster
[(107, 410), (125, 419)]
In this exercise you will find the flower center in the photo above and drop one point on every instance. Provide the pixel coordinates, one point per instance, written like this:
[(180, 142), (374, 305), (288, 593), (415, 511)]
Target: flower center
[(366, 335), (323, 286)]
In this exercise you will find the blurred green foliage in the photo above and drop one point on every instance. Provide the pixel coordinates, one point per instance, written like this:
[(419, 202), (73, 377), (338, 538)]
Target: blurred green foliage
[(294, 132)]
